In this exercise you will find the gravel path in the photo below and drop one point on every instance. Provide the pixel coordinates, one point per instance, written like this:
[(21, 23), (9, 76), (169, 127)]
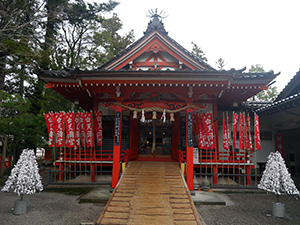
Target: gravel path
[(47, 208), (54, 208), (250, 209)]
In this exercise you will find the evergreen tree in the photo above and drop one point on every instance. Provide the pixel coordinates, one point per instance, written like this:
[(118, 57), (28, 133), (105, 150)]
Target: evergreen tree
[(24, 177), (276, 177), (197, 51), (266, 95), (221, 64)]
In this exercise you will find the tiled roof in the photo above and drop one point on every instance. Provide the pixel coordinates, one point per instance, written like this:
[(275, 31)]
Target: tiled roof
[(293, 87), (283, 104)]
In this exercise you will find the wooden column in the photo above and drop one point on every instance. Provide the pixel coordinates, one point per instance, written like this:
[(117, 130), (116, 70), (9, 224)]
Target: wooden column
[(215, 172), (134, 138), (189, 149), (175, 136), (93, 173), (216, 131), (248, 177), (117, 146)]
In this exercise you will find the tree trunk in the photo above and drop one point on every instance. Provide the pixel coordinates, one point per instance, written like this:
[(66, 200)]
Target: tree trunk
[(3, 156), (2, 79)]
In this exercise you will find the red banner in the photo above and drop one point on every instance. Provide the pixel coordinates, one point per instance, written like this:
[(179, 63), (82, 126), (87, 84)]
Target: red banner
[(279, 143), (202, 134), (77, 129), (225, 141), (99, 128), (82, 131), (250, 146), (235, 125), (241, 131), (50, 127), (208, 127), (59, 129), (245, 133), (70, 130), (88, 129), (228, 133), (257, 132)]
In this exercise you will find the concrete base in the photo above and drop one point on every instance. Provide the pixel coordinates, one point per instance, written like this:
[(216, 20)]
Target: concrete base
[(102, 195), (20, 207), (97, 195), (207, 198)]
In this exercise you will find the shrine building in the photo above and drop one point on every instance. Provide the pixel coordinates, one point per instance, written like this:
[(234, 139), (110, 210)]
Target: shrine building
[(149, 95)]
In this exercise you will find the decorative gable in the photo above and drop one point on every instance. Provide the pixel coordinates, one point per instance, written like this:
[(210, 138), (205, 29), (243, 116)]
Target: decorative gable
[(155, 57), (156, 51)]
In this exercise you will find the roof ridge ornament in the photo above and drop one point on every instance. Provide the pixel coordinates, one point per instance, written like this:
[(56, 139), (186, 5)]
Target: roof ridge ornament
[(156, 22)]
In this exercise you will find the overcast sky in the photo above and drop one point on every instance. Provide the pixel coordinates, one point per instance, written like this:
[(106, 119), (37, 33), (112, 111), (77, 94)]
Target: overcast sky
[(241, 32)]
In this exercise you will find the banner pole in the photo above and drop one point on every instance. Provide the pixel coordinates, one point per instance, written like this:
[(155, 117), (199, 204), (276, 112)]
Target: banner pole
[(254, 148), (245, 146), (223, 149), (228, 154), (240, 145)]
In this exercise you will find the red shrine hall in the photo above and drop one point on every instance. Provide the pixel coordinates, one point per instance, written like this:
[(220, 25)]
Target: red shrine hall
[(154, 101)]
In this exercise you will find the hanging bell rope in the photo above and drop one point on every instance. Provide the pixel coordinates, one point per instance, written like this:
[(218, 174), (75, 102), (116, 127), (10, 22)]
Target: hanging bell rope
[(156, 109)]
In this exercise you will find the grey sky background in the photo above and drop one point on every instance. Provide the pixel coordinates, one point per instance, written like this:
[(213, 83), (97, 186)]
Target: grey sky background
[(241, 32)]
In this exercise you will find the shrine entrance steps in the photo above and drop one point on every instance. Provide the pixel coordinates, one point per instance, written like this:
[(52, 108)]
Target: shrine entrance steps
[(150, 193)]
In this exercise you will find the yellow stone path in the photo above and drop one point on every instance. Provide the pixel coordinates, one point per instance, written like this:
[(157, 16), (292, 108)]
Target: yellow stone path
[(150, 193)]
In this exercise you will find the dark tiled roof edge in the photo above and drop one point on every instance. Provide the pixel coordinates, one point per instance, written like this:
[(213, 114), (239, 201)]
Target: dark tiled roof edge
[(290, 83), (281, 102)]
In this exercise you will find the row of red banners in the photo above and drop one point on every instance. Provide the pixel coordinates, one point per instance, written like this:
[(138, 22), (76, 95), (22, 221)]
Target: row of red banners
[(204, 130), (74, 129), (245, 138)]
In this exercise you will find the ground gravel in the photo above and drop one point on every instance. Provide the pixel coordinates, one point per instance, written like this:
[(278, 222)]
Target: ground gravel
[(61, 209), (250, 209), (47, 208)]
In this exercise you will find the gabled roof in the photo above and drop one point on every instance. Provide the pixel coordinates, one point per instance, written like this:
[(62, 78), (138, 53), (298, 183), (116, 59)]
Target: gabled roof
[(157, 41), (292, 88)]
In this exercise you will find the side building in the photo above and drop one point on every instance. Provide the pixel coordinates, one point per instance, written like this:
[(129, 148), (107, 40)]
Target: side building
[(281, 125)]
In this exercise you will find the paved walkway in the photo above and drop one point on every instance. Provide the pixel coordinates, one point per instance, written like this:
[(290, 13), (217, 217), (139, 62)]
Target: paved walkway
[(150, 193)]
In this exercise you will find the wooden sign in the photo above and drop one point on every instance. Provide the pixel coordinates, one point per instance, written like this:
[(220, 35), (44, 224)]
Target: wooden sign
[(117, 128), (190, 129)]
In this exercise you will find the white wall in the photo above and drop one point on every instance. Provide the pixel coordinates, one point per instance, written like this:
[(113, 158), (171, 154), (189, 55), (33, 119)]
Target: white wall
[(267, 146)]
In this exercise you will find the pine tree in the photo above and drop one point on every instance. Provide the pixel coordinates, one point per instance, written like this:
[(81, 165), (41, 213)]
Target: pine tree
[(24, 177), (276, 177)]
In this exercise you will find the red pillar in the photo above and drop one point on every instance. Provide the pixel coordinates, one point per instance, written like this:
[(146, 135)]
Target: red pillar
[(248, 173), (216, 131), (93, 173), (175, 136), (215, 172), (189, 149), (134, 138), (117, 147), (61, 174)]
